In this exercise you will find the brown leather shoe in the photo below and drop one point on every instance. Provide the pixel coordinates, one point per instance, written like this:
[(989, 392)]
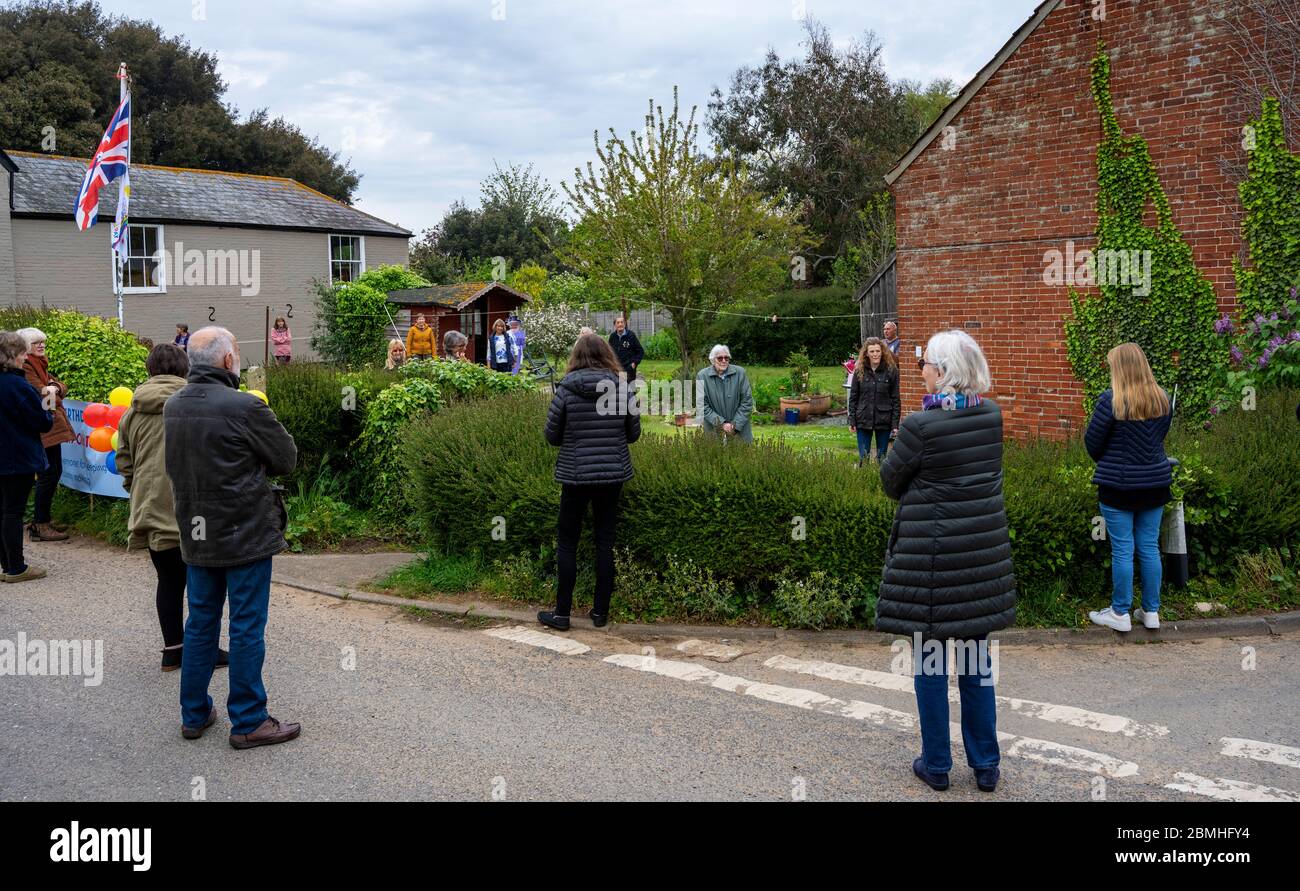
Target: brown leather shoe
[(196, 732), (46, 532), (270, 733)]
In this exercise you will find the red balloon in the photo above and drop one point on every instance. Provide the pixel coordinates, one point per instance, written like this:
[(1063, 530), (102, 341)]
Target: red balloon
[(95, 414), (115, 413), (101, 439)]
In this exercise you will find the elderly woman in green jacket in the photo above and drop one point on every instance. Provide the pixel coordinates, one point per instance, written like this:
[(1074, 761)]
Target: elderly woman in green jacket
[(141, 461), (726, 400)]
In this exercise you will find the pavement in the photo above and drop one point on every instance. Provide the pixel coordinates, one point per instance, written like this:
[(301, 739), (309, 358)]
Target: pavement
[(398, 704)]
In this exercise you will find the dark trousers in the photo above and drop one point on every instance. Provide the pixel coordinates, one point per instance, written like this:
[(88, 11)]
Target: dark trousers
[(979, 723), (573, 508), (14, 489), (631, 373), (864, 442), (249, 589), (503, 367), (46, 482), (170, 598)]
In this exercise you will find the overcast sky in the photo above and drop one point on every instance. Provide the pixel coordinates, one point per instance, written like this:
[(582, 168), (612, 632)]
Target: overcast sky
[(422, 96)]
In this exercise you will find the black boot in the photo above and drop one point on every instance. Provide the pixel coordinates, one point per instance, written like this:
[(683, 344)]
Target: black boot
[(551, 620), (600, 620)]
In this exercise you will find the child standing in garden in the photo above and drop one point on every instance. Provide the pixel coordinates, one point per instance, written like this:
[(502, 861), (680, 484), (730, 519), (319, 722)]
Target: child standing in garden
[(1126, 437)]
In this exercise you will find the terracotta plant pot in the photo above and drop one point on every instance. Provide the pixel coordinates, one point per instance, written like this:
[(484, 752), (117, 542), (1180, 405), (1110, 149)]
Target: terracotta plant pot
[(801, 404), (681, 419), (819, 405)]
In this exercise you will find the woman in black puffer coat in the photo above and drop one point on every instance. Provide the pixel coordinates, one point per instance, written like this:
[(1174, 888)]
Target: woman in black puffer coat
[(948, 573), (592, 427), (874, 405)]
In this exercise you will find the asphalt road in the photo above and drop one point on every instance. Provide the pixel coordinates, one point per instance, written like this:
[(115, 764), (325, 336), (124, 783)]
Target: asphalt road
[(437, 712)]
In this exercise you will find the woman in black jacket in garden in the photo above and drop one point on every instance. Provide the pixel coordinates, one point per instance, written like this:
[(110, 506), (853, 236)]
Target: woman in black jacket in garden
[(874, 405), (592, 430), (948, 574)]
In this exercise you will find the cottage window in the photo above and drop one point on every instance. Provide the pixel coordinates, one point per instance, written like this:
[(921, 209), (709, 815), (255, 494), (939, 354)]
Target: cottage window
[(144, 271), (347, 257)]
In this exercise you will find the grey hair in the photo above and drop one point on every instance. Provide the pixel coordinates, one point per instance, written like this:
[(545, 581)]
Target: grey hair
[(33, 336), (12, 345), (718, 350), (453, 340), (962, 366), (211, 352)]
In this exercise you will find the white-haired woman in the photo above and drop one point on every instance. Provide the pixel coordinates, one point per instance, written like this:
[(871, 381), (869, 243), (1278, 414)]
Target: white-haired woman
[(948, 574), (728, 400), (52, 391)]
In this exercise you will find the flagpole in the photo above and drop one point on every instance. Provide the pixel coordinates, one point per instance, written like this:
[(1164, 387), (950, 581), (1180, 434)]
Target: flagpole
[(123, 194)]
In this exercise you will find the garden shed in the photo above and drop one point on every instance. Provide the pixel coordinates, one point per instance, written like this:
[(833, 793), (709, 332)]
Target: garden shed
[(468, 307)]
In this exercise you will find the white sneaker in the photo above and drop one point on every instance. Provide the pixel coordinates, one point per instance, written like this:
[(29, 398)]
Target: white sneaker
[(1108, 618), (1150, 620)]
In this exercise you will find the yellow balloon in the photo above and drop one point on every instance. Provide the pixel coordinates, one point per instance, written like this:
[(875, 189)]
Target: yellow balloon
[(260, 395), (120, 396), (115, 440)]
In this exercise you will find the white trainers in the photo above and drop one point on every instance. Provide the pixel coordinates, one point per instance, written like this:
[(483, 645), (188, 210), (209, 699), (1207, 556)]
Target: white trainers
[(1108, 618), (1150, 620)]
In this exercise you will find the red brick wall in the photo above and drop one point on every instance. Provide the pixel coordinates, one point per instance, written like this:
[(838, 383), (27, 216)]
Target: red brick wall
[(974, 221)]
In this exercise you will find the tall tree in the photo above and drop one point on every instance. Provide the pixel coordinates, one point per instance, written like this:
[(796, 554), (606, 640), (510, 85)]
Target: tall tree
[(520, 220), (58, 59), (823, 129), (660, 221)]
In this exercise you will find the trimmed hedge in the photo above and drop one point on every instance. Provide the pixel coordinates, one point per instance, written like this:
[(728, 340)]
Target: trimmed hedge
[(830, 337), (728, 516)]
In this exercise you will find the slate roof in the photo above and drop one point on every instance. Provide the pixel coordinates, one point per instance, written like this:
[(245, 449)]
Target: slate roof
[(47, 186), (457, 296)]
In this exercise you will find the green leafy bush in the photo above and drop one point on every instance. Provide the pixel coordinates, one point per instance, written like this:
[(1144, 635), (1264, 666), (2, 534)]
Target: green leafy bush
[(661, 345), (466, 380), (378, 448), (319, 517), (89, 354), (353, 320), (817, 602), (309, 400), (826, 320)]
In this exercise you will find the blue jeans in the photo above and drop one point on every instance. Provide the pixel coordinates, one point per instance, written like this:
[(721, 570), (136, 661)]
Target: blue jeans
[(1131, 531), (864, 442), (249, 587), (979, 723)]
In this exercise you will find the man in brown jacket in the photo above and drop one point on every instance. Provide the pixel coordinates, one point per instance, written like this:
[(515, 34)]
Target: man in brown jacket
[(52, 391)]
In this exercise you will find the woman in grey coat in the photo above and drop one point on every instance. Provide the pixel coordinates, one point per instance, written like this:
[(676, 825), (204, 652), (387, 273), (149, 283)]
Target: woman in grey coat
[(948, 574), (727, 400)]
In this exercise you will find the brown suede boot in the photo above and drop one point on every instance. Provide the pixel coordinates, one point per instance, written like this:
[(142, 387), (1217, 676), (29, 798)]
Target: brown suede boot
[(270, 733), (46, 532)]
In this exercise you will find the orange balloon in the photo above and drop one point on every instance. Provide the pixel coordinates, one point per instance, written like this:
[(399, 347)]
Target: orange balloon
[(101, 439)]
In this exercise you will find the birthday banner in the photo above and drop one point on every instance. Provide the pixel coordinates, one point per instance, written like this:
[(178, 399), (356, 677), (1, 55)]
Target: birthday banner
[(86, 469)]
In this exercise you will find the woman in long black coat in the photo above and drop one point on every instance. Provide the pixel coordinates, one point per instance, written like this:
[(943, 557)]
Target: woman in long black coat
[(948, 574)]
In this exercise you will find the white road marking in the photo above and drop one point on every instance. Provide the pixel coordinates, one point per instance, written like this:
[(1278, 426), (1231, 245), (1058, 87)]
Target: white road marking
[(1260, 751), (1229, 790), (1046, 711), (793, 696), (1015, 746), (534, 638)]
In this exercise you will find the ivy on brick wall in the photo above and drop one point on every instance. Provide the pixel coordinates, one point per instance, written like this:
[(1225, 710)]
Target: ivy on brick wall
[(1169, 309), (1270, 197)]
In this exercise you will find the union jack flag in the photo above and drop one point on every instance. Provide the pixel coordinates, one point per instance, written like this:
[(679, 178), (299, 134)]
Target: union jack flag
[(112, 160)]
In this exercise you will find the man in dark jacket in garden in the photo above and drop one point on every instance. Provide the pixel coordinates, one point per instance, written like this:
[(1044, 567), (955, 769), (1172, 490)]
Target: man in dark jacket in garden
[(626, 347), (221, 446)]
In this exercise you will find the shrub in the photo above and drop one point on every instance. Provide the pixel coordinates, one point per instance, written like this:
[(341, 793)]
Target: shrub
[(817, 602), (352, 318), (319, 517), (309, 400), (378, 448), (89, 354), (661, 345), (552, 328), (466, 380), (831, 334)]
